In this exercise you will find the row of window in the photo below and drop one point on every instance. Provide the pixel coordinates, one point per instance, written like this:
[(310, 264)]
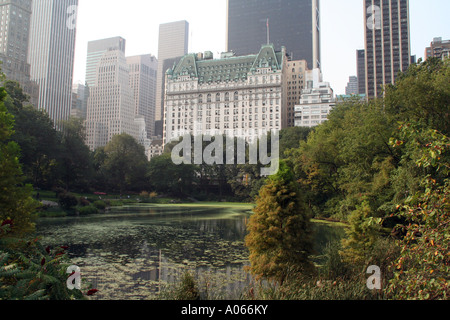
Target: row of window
[(248, 125)]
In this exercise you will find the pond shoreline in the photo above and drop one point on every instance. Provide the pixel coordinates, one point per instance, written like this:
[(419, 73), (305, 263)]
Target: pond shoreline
[(167, 202)]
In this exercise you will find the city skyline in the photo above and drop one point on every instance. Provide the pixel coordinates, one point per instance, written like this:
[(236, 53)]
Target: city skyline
[(339, 41)]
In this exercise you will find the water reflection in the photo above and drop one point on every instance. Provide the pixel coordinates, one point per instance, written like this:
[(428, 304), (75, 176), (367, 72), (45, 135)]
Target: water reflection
[(131, 252)]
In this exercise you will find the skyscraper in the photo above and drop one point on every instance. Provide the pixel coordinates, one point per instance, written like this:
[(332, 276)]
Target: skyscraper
[(173, 43), (111, 109), (143, 70), (387, 42), (361, 70), (15, 19), (294, 24), (95, 51), (51, 55)]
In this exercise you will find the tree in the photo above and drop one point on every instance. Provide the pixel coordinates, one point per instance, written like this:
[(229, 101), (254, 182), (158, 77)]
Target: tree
[(280, 230), (39, 142), (125, 166), (16, 204), (167, 177), (290, 138), (422, 93), (77, 160)]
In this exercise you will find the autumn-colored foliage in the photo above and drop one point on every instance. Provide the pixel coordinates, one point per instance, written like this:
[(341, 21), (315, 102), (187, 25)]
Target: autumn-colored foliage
[(279, 238)]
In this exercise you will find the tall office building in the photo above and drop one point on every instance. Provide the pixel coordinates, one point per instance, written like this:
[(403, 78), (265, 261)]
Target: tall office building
[(294, 24), (143, 70), (173, 43), (95, 51), (361, 71), (15, 19), (51, 55), (111, 109), (387, 43)]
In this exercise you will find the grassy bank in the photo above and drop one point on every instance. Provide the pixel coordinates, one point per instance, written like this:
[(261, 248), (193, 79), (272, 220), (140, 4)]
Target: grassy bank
[(56, 205)]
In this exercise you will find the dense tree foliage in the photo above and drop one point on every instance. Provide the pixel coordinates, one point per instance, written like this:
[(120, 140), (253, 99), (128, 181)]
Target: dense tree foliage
[(16, 204), (422, 271), (382, 166), (125, 164), (40, 143), (76, 159)]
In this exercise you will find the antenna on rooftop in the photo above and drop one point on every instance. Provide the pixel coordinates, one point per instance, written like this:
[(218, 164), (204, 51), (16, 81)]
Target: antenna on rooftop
[(268, 32)]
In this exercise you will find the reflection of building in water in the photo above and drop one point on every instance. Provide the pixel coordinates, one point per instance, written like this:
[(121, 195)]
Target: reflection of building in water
[(149, 275)]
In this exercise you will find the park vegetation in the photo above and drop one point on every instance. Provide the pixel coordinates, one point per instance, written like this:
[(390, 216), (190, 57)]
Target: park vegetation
[(381, 167)]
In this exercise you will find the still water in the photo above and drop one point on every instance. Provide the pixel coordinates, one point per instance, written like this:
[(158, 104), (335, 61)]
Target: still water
[(131, 253)]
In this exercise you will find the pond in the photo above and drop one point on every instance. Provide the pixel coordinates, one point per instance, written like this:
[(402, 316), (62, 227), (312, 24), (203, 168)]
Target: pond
[(131, 252)]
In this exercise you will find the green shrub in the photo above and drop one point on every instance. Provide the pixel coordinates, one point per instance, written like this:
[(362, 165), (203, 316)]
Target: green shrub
[(100, 204), (84, 211), (67, 200), (115, 203)]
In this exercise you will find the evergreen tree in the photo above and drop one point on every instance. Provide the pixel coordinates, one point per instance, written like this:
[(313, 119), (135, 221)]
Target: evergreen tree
[(280, 230)]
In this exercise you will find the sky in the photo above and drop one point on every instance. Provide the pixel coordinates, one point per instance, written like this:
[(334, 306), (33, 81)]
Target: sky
[(342, 29)]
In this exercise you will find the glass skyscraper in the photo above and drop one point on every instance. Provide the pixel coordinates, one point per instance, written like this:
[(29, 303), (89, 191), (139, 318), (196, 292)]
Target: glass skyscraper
[(294, 24), (51, 55)]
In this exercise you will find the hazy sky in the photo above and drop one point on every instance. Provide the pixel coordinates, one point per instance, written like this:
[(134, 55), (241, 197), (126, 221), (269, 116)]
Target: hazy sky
[(341, 29)]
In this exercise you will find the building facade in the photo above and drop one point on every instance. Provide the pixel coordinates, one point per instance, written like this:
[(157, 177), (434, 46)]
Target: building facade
[(15, 20), (143, 71), (173, 43), (294, 24), (51, 55), (315, 106), (387, 43), (361, 71), (111, 107), (95, 52), (155, 149), (295, 83), (316, 102), (438, 49), (352, 86), (79, 101), (237, 96)]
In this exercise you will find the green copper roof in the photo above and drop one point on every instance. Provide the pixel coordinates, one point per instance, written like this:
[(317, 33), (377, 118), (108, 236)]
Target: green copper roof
[(227, 69)]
